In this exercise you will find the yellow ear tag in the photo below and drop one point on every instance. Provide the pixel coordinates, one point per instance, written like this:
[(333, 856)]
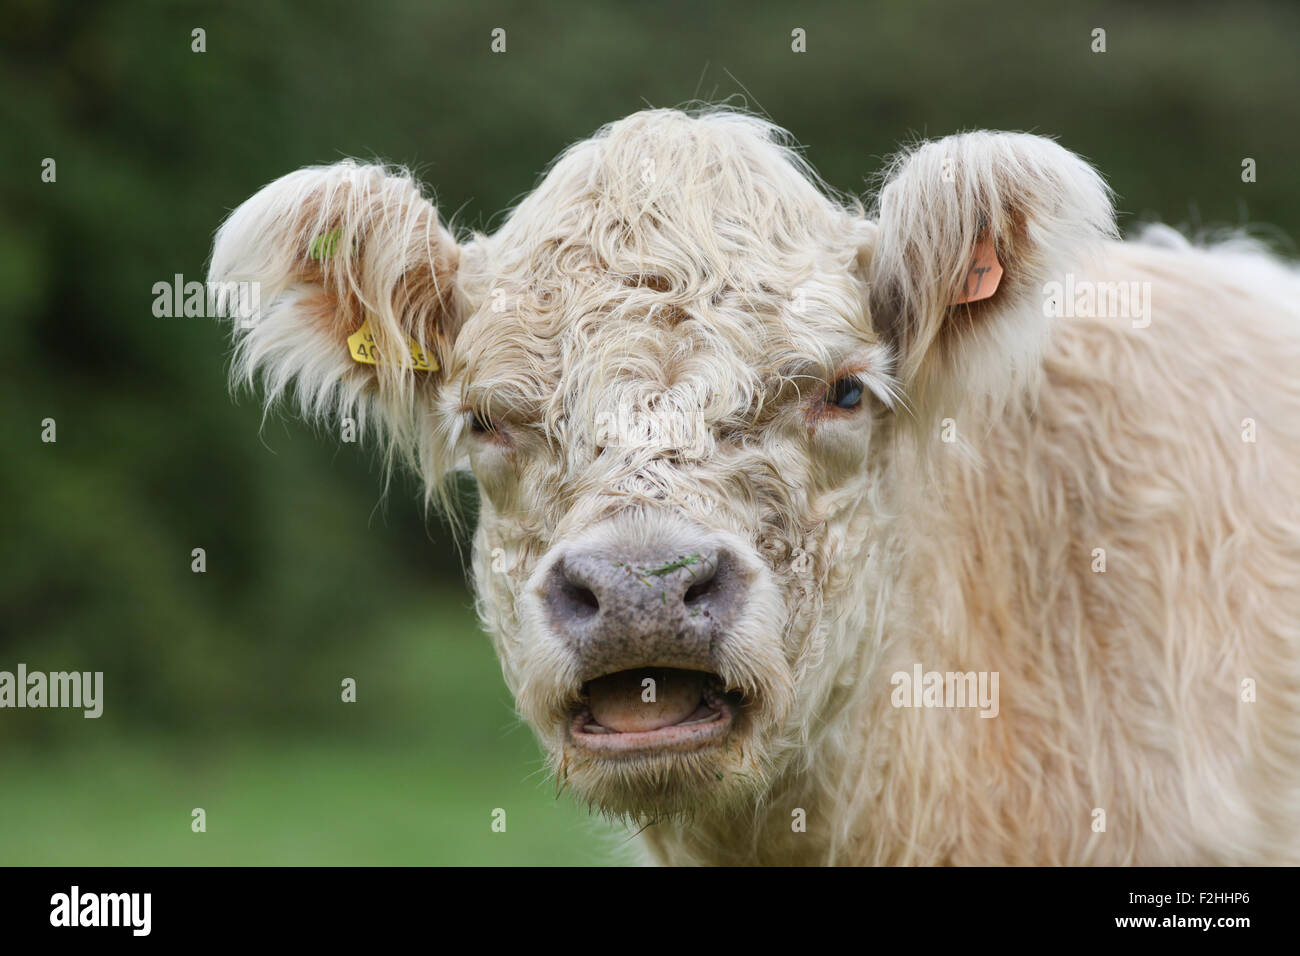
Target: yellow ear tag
[(362, 348)]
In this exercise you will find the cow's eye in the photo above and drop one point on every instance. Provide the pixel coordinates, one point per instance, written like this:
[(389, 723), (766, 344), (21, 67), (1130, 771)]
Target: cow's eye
[(845, 393), (479, 423)]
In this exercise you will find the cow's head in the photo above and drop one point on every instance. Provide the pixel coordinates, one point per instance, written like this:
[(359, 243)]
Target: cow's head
[(682, 373)]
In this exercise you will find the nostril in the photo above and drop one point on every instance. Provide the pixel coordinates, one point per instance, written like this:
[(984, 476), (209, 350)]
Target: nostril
[(571, 593), (582, 600), (701, 589), (711, 583)]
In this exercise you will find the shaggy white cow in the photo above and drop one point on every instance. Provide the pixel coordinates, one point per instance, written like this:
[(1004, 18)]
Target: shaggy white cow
[(956, 532)]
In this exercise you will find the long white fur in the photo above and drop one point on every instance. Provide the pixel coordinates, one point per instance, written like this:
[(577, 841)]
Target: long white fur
[(696, 256)]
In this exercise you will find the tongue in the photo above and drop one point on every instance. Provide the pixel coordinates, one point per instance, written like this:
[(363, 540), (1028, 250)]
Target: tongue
[(623, 703)]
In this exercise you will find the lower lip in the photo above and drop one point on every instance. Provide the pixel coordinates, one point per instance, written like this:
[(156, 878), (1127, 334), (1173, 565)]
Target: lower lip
[(676, 739)]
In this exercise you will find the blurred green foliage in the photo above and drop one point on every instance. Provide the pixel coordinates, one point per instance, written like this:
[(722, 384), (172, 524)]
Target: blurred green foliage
[(223, 687), (410, 774)]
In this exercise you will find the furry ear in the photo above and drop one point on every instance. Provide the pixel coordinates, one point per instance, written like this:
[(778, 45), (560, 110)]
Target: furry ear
[(312, 258), (943, 208)]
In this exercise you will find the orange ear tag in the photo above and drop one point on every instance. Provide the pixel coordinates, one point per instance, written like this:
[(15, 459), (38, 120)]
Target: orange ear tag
[(983, 276)]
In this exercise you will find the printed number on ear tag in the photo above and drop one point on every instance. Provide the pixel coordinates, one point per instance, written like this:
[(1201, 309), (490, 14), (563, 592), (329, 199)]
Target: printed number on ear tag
[(983, 276), (362, 348)]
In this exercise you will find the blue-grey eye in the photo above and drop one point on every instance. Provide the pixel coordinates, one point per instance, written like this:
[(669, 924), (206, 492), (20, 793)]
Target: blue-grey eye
[(480, 424), (845, 393)]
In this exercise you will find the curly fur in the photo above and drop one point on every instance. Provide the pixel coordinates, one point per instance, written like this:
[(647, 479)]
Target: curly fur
[(691, 270)]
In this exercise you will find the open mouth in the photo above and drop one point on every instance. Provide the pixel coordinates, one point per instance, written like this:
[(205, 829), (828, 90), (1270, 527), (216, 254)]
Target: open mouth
[(653, 709)]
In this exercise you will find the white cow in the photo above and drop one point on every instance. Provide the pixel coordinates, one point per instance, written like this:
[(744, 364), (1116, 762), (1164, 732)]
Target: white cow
[(950, 531)]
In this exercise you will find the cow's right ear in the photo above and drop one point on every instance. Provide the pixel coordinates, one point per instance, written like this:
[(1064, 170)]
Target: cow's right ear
[(341, 283)]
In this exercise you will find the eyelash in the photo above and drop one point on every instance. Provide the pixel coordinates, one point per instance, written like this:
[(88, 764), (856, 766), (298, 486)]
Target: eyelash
[(846, 393)]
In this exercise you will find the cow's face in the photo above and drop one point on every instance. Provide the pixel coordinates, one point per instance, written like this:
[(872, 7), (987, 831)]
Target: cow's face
[(675, 374), (667, 396)]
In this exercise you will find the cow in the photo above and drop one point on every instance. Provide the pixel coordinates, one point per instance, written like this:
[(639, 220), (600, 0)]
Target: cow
[(941, 526)]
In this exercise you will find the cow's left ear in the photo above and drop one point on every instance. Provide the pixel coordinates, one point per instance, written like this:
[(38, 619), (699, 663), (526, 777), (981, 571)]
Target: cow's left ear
[(969, 229)]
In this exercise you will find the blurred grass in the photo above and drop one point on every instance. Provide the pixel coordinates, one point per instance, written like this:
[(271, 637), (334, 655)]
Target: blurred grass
[(420, 792), (311, 803)]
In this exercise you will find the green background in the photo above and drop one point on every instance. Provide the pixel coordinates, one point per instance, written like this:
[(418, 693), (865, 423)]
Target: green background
[(222, 689)]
